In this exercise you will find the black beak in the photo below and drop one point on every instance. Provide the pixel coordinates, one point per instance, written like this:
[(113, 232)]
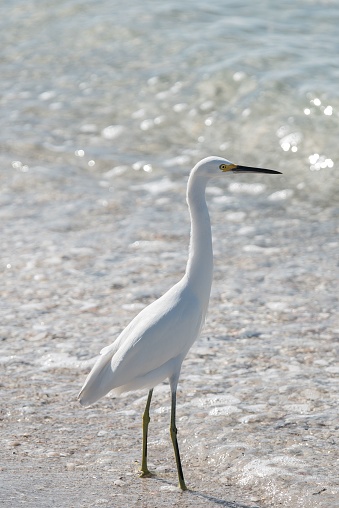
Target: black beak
[(247, 169)]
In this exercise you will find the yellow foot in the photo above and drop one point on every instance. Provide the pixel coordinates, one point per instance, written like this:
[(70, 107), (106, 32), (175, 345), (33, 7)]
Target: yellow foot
[(145, 474)]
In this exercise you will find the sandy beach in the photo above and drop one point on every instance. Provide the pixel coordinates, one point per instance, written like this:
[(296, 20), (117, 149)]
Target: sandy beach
[(257, 400)]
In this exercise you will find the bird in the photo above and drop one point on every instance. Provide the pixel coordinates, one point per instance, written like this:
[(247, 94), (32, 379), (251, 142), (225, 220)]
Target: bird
[(153, 346)]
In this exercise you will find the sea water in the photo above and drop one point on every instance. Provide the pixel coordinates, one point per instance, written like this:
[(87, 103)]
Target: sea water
[(155, 86)]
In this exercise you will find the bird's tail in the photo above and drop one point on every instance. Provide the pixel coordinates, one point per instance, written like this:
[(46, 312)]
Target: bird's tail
[(98, 382)]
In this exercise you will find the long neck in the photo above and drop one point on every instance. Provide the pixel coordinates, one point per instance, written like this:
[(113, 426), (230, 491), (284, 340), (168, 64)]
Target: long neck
[(199, 269)]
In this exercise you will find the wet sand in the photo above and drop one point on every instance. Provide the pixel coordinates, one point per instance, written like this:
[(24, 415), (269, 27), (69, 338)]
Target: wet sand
[(258, 393)]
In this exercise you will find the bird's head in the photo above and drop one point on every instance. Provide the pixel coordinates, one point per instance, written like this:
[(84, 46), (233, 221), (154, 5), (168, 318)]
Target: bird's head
[(216, 166)]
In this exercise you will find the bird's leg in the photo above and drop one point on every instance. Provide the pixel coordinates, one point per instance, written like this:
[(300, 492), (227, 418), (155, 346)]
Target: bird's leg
[(173, 432), (144, 471)]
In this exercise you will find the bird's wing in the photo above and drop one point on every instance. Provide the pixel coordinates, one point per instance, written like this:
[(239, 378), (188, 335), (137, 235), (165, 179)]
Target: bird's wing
[(164, 330), (112, 348)]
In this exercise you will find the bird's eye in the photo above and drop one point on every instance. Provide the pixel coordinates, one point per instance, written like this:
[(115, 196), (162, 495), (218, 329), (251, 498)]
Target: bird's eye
[(222, 167)]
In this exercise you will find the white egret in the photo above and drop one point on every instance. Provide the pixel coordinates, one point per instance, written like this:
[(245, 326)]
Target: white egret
[(152, 347)]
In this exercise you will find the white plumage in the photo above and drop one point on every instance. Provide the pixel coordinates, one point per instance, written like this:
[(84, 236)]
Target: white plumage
[(152, 347)]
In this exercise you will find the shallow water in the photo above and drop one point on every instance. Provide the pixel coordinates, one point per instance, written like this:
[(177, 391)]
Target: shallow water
[(99, 86), (105, 111)]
